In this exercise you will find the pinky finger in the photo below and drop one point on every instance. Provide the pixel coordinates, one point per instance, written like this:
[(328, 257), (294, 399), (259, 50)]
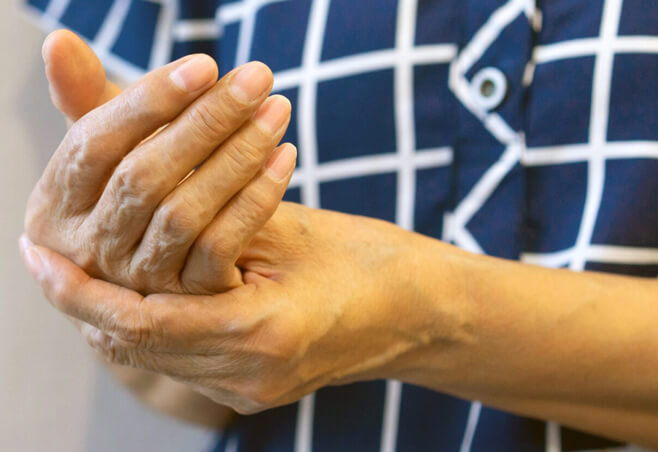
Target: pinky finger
[(210, 266)]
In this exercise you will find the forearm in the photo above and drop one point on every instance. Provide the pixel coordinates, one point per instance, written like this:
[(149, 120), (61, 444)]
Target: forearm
[(172, 398), (577, 348)]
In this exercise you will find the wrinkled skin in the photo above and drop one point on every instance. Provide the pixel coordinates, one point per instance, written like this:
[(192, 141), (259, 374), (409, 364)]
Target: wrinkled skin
[(283, 305), (315, 310), (115, 197)]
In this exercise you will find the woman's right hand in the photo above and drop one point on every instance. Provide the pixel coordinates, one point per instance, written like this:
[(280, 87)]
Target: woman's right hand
[(118, 198)]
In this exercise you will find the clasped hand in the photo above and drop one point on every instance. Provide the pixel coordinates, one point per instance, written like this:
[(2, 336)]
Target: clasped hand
[(158, 228)]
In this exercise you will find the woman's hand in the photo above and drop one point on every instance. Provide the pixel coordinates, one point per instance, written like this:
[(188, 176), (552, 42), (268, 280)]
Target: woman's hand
[(332, 298), (329, 298), (116, 197)]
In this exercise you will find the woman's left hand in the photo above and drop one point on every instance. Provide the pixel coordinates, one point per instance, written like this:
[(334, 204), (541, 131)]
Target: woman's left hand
[(329, 299)]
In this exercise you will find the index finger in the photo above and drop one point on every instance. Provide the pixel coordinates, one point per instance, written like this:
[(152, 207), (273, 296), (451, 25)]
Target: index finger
[(100, 140), (185, 324)]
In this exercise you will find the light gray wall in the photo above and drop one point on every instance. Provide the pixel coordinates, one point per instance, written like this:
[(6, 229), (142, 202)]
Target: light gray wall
[(53, 395)]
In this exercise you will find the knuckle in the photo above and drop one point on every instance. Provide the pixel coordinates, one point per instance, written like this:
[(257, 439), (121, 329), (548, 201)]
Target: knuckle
[(103, 345), (134, 335), (252, 208), (80, 135), (209, 123), (136, 329), (219, 248), (129, 175), (176, 219), (83, 139), (145, 102), (235, 108), (244, 157), (78, 153), (135, 183), (260, 201), (115, 354)]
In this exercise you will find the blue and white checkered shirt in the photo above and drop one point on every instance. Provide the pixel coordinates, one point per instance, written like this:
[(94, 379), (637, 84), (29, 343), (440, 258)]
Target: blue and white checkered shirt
[(518, 128)]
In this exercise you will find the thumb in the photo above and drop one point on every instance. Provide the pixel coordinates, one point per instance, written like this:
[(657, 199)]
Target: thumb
[(72, 291), (78, 83)]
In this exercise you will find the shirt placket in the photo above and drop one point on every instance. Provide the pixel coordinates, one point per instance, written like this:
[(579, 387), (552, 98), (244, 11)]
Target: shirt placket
[(489, 78)]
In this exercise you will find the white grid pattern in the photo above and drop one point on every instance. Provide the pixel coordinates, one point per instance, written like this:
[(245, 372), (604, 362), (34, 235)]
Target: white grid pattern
[(162, 48), (598, 150), (455, 226), (598, 128), (105, 38), (406, 159)]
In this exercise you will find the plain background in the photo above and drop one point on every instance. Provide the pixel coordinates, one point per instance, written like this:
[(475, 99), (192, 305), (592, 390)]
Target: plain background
[(54, 396)]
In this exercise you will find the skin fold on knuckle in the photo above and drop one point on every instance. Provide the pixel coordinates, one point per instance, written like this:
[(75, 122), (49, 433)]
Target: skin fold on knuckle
[(242, 160), (254, 210), (145, 102), (136, 183), (87, 142), (119, 354), (101, 248), (72, 172), (219, 249), (210, 123), (177, 222), (147, 275), (131, 328)]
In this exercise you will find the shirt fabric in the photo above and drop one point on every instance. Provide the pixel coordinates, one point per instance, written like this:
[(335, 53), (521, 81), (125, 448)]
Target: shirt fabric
[(393, 118)]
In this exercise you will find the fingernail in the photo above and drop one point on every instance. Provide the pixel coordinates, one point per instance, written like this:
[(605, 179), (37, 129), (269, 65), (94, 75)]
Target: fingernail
[(196, 73), (273, 114), (250, 82), (282, 162), (34, 262)]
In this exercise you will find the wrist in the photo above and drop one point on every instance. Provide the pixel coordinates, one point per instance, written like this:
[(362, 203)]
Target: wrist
[(433, 308)]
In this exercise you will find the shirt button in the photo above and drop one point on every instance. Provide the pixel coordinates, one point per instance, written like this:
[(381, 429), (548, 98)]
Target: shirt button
[(489, 87)]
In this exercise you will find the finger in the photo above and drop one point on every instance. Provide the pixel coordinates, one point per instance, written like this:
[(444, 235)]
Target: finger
[(173, 324), (180, 365), (210, 267), (155, 168), (182, 216), (100, 140), (114, 310), (76, 77)]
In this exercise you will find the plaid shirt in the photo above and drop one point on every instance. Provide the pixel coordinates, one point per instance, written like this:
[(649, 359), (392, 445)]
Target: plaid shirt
[(518, 128)]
